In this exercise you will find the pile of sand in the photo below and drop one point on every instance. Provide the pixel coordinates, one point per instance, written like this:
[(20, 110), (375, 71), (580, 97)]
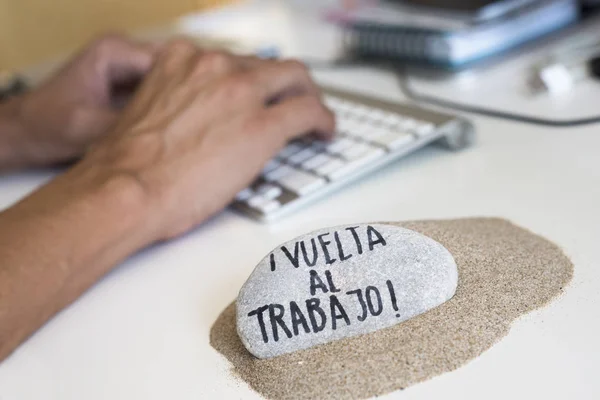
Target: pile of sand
[(504, 272)]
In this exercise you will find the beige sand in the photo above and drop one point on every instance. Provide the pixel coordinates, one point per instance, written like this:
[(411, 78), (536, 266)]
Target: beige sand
[(504, 272)]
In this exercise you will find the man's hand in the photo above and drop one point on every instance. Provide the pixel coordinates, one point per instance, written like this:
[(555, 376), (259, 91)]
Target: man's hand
[(199, 129), (60, 119)]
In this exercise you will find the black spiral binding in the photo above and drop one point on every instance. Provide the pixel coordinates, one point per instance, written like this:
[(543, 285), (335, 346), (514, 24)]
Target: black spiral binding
[(374, 41)]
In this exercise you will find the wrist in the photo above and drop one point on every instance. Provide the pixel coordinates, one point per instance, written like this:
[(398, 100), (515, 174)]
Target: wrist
[(97, 219), (115, 201)]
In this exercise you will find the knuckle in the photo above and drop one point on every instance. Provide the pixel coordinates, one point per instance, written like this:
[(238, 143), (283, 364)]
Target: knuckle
[(216, 61), (237, 88), (174, 53)]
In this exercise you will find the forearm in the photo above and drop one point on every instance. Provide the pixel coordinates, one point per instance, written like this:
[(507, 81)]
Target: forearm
[(59, 241)]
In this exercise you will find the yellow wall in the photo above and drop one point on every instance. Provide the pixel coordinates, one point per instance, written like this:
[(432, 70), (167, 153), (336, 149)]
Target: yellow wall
[(34, 30)]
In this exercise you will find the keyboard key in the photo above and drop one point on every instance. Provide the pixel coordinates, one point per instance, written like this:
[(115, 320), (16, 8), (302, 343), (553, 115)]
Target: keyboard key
[(359, 110), (270, 206), (376, 115), (345, 125), (338, 105), (367, 130), (264, 205), (270, 166), (360, 129), (391, 119), (332, 102), (244, 194), (301, 182), (356, 164), (339, 144), (375, 132), (302, 156), (330, 166), (289, 150), (316, 161), (355, 151), (392, 141), (257, 201), (269, 191), (408, 124), (278, 173), (319, 145)]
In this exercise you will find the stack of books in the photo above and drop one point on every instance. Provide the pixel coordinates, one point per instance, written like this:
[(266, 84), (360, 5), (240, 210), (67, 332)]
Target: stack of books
[(451, 40)]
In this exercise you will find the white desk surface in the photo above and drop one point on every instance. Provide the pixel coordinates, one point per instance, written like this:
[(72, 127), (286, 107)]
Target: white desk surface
[(143, 331)]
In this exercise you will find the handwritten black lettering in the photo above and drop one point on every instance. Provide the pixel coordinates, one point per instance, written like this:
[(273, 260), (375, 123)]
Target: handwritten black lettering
[(392, 296), (369, 291), (298, 319), (312, 307), (307, 252), (329, 278), (293, 259), (277, 320), (316, 283), (337, 312), (372, 231), (352, 230), (315, 317), (341, 254), (261, 321), (361, 301), (324, 243), (315, 253)]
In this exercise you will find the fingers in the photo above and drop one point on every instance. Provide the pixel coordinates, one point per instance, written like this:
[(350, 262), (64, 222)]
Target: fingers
[(185, 47), (271, 80), (122, 59), (202, 65), (223, 84), (294, 117), (266, 81), (176, 52), (279, 79)]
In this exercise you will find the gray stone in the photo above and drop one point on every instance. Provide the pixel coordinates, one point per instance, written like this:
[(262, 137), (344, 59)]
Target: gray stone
[(340, 282)]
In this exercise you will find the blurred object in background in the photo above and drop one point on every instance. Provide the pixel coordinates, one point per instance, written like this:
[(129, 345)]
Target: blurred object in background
[(351, 4), (477, 9), (566, 66), (450, 37), (32, 31), (590, 7), (11, 84)]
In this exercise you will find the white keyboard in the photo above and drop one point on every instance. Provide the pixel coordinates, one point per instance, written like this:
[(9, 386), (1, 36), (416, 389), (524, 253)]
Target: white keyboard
[(370, 134)]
